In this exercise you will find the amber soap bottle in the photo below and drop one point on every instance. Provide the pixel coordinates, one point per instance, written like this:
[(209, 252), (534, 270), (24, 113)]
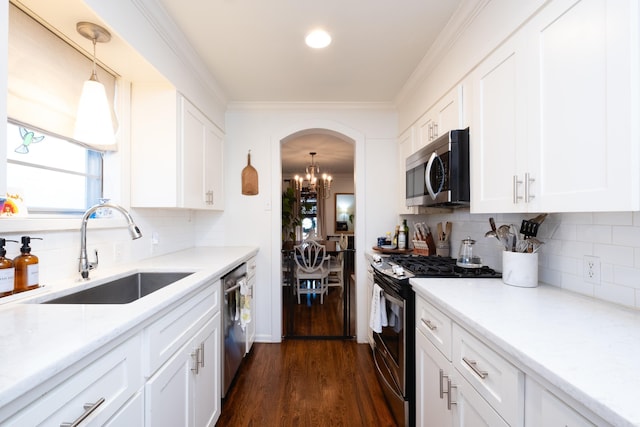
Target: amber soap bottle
[(27, 268), (7, 272)]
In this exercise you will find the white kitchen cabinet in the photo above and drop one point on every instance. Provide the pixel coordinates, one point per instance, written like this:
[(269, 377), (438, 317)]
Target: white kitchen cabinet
[(131, 414), (443, 396), (251, 326), (176, 152), (186, 390), (183, 363), (444, 116), (433, 385), (99, 390), (546, 409), (553, 126)]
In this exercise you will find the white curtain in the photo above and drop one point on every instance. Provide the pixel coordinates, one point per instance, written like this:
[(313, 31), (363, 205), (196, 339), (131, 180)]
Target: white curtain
[(46, 76)]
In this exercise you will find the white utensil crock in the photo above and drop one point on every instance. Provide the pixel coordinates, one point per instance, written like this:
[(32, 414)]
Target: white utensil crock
[(520, 269)]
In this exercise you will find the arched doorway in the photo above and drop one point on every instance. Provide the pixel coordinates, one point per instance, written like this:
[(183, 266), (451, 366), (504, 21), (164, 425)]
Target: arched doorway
[(318, 216)]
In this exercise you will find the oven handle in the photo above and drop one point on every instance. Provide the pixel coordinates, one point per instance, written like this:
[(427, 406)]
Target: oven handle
[(390, 297), (392, 389)]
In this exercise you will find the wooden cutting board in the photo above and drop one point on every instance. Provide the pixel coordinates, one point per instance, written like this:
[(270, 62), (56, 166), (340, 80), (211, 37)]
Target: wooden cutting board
[(249, 178)]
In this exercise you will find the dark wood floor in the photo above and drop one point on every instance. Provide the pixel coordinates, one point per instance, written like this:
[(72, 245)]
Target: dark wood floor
[(307, 383)]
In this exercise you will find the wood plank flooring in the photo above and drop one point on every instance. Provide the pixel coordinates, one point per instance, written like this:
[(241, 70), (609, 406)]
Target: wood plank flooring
[(307, 383)]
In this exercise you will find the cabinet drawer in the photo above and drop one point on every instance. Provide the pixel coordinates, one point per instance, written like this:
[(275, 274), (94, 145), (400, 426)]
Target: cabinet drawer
[(434, 325), (171, 331), (114, 377), (500, 383)]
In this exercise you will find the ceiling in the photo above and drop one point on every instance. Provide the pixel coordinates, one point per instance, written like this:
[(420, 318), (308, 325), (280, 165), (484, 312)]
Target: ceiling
[(256, 50)]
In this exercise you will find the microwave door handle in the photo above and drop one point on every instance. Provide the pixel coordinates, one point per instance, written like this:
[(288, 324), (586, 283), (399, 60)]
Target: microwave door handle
[(427, 172)]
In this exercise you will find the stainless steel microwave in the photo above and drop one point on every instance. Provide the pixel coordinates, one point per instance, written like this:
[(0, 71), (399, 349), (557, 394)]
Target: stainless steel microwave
[(438, 174)]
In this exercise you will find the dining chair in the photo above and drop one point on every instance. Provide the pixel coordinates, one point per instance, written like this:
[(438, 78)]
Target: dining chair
[(312, 271), (336, 264)]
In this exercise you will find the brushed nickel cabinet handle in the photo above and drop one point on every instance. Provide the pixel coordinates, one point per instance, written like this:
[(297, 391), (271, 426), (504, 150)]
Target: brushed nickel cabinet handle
[(527, 187), (88, 410), (449, 399), (202, 355), (516, 197), (196, 361), (442, 376), (429, 325), (474, 367)]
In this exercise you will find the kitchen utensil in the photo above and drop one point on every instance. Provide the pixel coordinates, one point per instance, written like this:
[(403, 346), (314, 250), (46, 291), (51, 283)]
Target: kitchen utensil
[(503, 234), (440, 232), (529, 228), (467, 258), (448, 228), (249, 178)]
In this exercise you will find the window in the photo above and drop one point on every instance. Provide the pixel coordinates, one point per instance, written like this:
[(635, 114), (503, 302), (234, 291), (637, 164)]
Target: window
[(51, 173)]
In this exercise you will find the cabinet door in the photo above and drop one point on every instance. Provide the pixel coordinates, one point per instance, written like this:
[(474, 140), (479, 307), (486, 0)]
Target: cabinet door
[(498, 130), (167, 393), (431, 369), (213, 168), (545, 409), (202, 151), (207, 399), (448, 113), (131, 414), (586, 95), (473, 411)]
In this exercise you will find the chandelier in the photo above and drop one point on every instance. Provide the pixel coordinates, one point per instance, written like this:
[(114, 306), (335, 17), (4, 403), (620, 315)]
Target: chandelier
[(316, 183)]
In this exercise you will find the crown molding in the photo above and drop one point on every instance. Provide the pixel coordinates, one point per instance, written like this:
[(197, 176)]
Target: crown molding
[(158, 17), (459, 22), (380, 106)]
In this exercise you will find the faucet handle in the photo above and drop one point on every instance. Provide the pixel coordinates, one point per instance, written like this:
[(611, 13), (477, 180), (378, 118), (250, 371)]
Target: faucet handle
[(94, 264)]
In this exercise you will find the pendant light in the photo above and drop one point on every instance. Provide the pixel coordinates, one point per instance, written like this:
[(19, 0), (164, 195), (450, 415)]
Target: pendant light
[(94, 124)]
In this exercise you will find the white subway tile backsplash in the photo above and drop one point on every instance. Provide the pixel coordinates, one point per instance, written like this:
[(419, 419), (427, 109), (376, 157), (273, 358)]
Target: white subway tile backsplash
[(613, 218), (613, 237), (593, 233), (620, 255), (626, 276)]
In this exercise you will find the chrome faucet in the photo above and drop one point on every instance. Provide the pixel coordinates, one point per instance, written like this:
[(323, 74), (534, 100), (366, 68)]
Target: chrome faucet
[(85, 264)]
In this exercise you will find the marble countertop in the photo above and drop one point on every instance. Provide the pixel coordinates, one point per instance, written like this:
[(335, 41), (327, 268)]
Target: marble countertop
[(42, 340), (587, 348)]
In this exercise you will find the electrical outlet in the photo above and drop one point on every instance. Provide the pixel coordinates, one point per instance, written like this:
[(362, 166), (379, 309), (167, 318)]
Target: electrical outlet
[(591, 269)]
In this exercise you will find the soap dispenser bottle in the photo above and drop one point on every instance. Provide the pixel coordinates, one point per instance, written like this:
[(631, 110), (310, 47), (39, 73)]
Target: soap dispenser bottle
[(7, 271), (27, 268)]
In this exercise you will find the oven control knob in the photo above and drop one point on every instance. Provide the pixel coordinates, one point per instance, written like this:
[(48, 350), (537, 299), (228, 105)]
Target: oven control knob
[(398, 271)]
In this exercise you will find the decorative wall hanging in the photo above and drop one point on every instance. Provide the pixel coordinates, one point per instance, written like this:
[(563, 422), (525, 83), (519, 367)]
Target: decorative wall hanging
[(249, 178)]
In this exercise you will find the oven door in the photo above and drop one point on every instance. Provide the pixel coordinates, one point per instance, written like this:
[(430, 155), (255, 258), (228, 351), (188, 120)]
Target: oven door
[(390, 342)]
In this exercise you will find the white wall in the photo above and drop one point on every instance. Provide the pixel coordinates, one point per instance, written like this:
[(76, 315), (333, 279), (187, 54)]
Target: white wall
[(255, 220)]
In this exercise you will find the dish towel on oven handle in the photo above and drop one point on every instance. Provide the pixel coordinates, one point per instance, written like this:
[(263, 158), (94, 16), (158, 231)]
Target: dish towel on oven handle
[(378, 317), (245, 303)]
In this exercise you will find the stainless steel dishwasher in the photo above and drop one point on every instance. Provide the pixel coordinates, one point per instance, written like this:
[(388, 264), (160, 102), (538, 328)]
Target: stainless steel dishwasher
[(234, 337)]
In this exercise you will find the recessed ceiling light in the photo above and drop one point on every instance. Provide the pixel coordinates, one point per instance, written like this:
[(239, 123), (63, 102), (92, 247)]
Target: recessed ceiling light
[(318, 39)]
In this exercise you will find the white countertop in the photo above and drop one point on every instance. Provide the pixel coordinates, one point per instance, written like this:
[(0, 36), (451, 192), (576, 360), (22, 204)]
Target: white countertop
[(587, 348), (42, 340)]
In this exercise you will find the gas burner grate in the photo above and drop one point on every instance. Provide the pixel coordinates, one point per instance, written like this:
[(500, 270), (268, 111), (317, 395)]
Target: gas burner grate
[(430, 266)]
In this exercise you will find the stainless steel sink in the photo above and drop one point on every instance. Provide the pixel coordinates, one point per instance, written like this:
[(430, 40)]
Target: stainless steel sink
[(123, 290)]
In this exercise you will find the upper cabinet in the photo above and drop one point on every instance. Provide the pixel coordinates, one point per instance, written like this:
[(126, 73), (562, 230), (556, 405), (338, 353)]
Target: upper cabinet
[(176, 152), (555, 111), (441, 118), (405, 149)]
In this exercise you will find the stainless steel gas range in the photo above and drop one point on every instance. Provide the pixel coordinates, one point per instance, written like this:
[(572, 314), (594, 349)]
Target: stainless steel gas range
[(394, 343)]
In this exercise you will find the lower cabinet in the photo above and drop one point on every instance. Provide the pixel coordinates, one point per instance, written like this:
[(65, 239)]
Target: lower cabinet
[(93, 396), (185, 391), (462, 381)]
